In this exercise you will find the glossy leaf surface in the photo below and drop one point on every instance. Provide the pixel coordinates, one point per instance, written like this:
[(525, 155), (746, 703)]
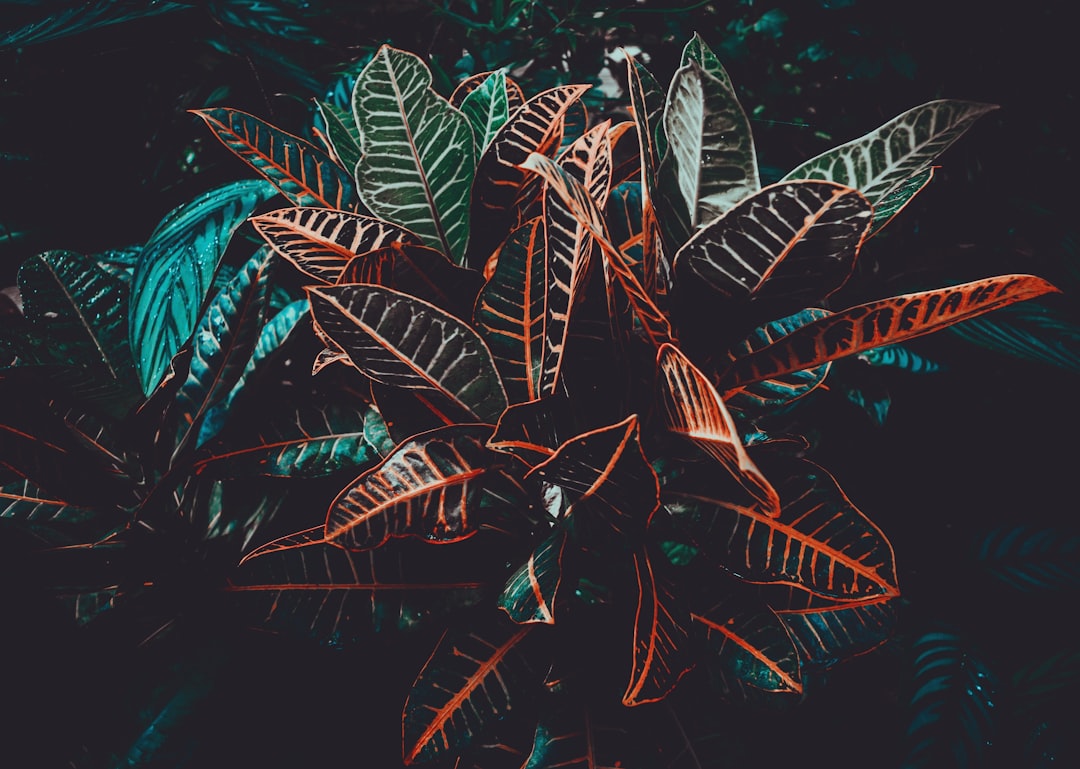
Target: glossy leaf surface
[(176, 269), (419, 160), (402, 341), (487, 107), (531, 591), (753, 647), (827, 635)]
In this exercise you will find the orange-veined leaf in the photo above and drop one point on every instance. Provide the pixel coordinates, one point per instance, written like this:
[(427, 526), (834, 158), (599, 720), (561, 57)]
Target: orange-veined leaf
[(661, 649), (693, 408), (303, 173), (320, 241), (514, 95), (535, 430), (589, 161), (886, 321), (572, 737), (430, 487), (530, 593), (402, 341), (887, 208), (827, 635)]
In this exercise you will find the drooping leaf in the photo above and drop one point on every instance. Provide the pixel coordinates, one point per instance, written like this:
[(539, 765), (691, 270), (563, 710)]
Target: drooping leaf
[(779, 391), (825, 636), (1031, 558), (1031, 332), (952, 707), (399, 340), (510, 311), (343, 134), (881, 164), (339, 597), (320, 242), (82, 17), (303, 173), (530, 593), (886, 321), (693, 408), (175, 271), (661, 654), (820, 541), (753, 648), (792, 244), (471, 681), (419, 160), (429, 487), (488, 108), (222, 345)]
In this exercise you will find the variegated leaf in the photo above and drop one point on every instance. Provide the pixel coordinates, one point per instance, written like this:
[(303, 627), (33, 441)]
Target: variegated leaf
[(827, 635), (884, 161), (792, 244), (320, 242), (402, 341), (342, 133), (531, 591), (515, 97), (429, 487), (589, 161), (23, 501), (419, 160), (488, 108), (305, 174), (886, 209), (693, 408), (572, 737), (886, 321), (176, 270)]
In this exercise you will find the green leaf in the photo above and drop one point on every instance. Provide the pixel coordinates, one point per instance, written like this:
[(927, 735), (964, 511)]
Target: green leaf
[(303, 173), (881, 164), (531, 591), (827, 635), (487, 108), (419, 160), (176, 270), (1032, 559), (898, 356), (24, 501), (399, 340), (897, 198), (82, 17), (342, 133), (268, 18)]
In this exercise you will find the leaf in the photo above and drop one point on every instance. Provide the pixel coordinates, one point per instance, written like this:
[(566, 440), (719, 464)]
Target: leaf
[(775, 393), (471, 681), (792, 244), (176, 269), (530, 593), (825, 636), (83, 17), (952, 716), (340, 597), (1032, 559), (606, 466), (419, 161), (886, 321), (588, 159), (303, 173), (401, 341), (23, 501), (510, 311), (693, 408), (429, 487), (661, 654), (898, 356), (1031, 332), (343, 134), (488, 108), (267, 18), (710, 163), (753, 648), (888, 207), (534, 431), (572, 737), (881, 164), (222, 345), (820, 541), (320, 242), (515, 97), (1040, 683)]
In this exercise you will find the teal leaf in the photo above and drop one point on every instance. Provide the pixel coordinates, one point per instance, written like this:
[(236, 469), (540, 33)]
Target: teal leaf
[(1032, 559), (342, 133), (1031, 331), (82, 17), (531, 591), (487, 108), (898, 356), (176, 270)]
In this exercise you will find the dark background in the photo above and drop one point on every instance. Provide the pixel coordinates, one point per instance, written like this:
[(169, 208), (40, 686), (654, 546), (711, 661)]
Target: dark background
[(97, 146)]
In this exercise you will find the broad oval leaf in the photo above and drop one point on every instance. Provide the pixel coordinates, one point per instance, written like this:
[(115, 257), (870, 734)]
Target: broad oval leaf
[(693, 408), (429, 487), (882, 163), (472, 680), (303, 173), (886, 321), (176, 269), (419, 160), (320, 241), (793, 243), (531, 591), (820, 541), (399, 340)]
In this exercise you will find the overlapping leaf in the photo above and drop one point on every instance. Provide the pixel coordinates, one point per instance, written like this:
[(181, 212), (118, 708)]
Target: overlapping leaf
[(487, 106), (1030, 332), (574, 738), (23, 501), (589, 160), (886, 321), (693, 408), (321, 241), (402, 341), (419, 160), (531, 591), (343, 135), (820, 541), (882, 164), (515, 97), (793, 243), (827, 635), (303, 173), (472, 680), (176, 270), (888, 207), (429, 487)]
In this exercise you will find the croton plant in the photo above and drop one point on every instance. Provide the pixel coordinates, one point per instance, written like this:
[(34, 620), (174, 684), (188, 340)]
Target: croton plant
[(496, 369)]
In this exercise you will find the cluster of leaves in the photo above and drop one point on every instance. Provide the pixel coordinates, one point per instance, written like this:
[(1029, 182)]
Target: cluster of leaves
[(545, 357)]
